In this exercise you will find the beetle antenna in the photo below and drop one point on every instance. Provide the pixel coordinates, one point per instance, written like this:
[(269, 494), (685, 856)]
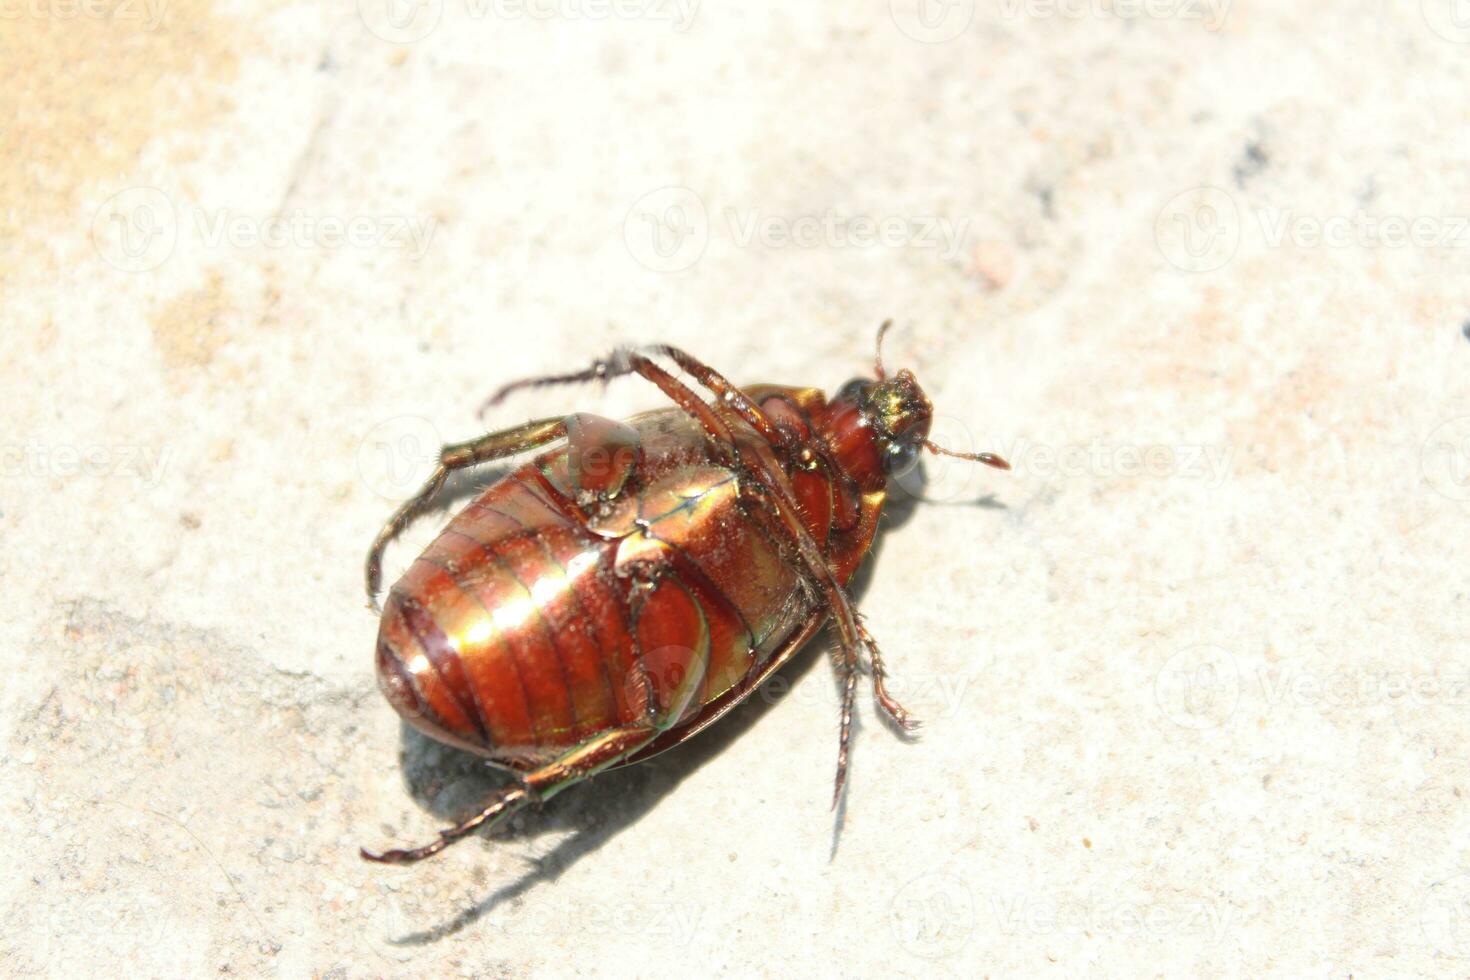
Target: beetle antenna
[(989, 459), (878, 361)]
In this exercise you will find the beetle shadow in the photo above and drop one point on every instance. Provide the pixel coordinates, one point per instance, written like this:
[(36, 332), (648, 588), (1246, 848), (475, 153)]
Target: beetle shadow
[(462, 486), (904, 500), (450, 783)]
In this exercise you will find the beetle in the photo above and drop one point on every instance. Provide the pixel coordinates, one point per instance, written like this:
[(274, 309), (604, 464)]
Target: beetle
[(636, 580)]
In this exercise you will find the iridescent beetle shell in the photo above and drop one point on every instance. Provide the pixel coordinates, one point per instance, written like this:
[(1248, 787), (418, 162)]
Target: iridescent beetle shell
[(632, 582)]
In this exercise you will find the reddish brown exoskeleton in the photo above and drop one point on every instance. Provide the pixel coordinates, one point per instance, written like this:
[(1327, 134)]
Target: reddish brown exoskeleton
[(637, 580)]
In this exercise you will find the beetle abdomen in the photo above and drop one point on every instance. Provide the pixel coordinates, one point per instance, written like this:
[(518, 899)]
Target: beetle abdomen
[(505, 636), (534, 622)]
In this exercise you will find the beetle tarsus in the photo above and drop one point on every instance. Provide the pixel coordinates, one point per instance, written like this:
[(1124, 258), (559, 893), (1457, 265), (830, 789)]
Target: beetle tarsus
[(505, 802), (604, 369), (849, 695), (401, 857), (894, 711), (886, 702)]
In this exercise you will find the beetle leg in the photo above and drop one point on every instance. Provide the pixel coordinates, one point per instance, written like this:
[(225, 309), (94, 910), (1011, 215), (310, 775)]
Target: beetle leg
[(624, 362), (541, 784), (819, 574), (781, 500), (729, 395), (603, 369), (734, 399), (886, 701), (456, 456)]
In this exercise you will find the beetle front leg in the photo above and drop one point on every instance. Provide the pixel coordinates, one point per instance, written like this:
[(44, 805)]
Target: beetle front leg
[(851, 636), (456, 456), (540, 784)]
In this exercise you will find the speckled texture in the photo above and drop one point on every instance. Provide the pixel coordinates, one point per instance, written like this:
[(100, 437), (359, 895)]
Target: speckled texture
[(1195, 679)]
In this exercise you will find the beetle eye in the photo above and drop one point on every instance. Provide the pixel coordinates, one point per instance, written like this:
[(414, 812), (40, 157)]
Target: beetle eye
[(853, 391), (900, 457)]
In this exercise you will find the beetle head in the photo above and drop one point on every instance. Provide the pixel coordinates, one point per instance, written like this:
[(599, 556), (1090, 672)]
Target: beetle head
[(900, 414)]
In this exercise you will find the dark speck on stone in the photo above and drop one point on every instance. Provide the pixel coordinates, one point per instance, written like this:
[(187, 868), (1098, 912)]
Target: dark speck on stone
[(1252, 161)]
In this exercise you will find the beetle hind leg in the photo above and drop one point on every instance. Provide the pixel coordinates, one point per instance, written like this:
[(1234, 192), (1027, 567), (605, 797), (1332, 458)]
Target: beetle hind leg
[(506, 802), (456, 456), (585, 760), (890, 707)]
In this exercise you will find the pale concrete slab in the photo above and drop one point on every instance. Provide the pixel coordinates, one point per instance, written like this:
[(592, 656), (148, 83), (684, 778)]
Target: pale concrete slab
[(1196, 688)]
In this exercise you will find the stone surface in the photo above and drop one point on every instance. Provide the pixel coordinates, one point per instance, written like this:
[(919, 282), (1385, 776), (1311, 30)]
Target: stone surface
[(1195, 679)]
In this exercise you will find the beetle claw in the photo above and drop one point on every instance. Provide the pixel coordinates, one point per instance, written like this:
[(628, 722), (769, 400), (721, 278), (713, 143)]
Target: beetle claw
[(385, 857), (897, 714)]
